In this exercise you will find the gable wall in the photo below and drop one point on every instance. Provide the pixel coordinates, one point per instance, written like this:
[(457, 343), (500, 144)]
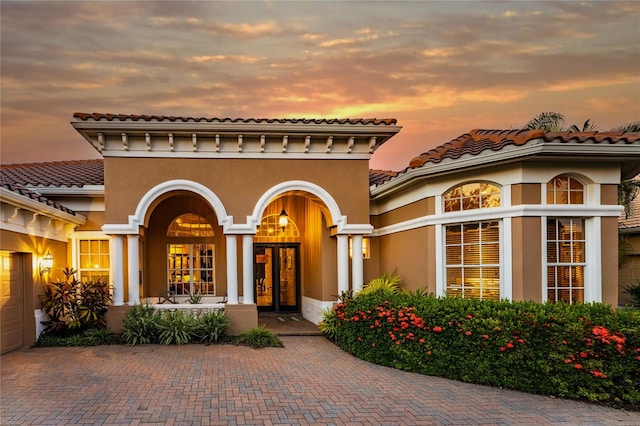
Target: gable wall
[(239, 183)]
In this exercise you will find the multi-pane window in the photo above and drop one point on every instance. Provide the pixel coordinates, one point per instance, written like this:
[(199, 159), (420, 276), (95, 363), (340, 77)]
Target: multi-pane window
[(565, 190), (190, 258), (473, 260), (565, 260), (565, 243), (472, 196), (94, 260), (191, 269)]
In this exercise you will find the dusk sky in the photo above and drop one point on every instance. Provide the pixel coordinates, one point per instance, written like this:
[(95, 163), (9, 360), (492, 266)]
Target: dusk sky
[(440, 68)]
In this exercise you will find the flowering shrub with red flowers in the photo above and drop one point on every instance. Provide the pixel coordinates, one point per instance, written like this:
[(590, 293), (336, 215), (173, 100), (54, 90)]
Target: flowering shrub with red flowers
[(582, 351)]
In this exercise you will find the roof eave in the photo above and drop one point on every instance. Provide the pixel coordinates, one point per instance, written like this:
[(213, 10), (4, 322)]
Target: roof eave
[(20, 201), (534, 148)]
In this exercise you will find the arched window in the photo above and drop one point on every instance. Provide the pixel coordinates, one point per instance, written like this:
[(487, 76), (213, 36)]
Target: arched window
[(190, 225), (471, 196), (190, 267), (565, 190), (472, 249), (270, 229)]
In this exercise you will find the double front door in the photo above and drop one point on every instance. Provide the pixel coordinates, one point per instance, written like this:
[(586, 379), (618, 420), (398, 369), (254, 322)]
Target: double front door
[(277, 282)]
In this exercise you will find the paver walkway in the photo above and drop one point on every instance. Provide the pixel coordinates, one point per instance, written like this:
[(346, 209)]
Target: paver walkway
[(310, 381)]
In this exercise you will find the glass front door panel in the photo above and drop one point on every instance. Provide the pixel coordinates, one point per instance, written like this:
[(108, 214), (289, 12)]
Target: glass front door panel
[(288, 274), (276, 277), (264, 277)]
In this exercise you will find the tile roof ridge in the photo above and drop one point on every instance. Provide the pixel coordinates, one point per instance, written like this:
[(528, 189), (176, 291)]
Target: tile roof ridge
[(96, 116), (51, 163)]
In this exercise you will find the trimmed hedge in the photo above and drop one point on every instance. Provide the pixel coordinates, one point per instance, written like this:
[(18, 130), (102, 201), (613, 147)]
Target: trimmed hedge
[(582, 351)]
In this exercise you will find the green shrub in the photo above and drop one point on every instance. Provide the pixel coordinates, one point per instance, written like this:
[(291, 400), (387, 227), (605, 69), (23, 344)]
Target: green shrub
[(140, 325), (211, 327), (259, 337), (73, 305), (329, 323), (89, 337), (634, 291), (386, 284), (581, 351), (175, 327), (195, 298)]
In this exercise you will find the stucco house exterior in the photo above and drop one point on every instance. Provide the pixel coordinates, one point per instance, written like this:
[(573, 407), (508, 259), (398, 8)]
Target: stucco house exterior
[(284, 214)]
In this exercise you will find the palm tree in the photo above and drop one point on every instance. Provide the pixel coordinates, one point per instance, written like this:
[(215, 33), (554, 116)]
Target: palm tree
[(547, 121)]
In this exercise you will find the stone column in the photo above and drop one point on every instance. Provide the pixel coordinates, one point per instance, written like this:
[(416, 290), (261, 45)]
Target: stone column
[(357, 275), (134, 268), (116, 271), (232, 269), (247, 269), (343, 263)]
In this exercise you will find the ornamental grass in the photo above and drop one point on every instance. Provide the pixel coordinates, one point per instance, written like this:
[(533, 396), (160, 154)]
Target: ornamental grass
[(582, 351)]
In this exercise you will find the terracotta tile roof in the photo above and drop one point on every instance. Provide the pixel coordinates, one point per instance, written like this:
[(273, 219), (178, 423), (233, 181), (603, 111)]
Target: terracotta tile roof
[(61, 173), (19, 189), (477, 141), (376, 177), (124, 117)]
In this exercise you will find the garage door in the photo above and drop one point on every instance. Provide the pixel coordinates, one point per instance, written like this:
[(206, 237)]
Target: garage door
[(11, 302)]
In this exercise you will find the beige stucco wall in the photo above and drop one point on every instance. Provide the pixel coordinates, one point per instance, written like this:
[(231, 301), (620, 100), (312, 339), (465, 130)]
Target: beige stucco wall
[(128, 179), (525, 193), (527, 258), (410, 254)]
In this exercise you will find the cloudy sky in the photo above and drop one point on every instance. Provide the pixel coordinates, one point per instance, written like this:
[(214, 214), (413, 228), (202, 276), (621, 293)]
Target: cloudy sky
[(440, 68)]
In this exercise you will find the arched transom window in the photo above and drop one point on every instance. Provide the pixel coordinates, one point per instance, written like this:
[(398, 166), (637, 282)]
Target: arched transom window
[(471, 196), (565, 190), (190, 225)]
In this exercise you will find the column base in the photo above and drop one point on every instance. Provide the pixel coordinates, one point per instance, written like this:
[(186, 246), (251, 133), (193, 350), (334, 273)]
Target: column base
[(243, 317)]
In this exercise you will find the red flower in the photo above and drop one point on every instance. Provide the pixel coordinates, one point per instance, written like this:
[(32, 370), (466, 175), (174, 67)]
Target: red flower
[(584, 354), (468, 333), (567, 361), (469, 316), (510, 345), (502, 349), (577, 366), (428, 352), (564, 342), (485, 336), (421, 340), (437, 329), (520, 340), (599, 374)]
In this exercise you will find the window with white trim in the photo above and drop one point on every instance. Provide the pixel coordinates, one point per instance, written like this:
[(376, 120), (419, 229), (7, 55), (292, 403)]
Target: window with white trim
[(565, 260), (472, 249), (566, 243), (190, 256), (93, 258), (473, 260)]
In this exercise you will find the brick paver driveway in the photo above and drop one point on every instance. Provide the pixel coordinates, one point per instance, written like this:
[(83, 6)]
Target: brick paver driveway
[(310, 381)]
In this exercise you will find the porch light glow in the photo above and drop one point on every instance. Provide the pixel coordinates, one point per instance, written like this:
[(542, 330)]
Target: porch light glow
[(283, 220), (46, 263)]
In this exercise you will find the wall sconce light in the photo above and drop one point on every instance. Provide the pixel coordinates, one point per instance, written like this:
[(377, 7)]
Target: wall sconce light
[(46, 263), (283, 219)]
